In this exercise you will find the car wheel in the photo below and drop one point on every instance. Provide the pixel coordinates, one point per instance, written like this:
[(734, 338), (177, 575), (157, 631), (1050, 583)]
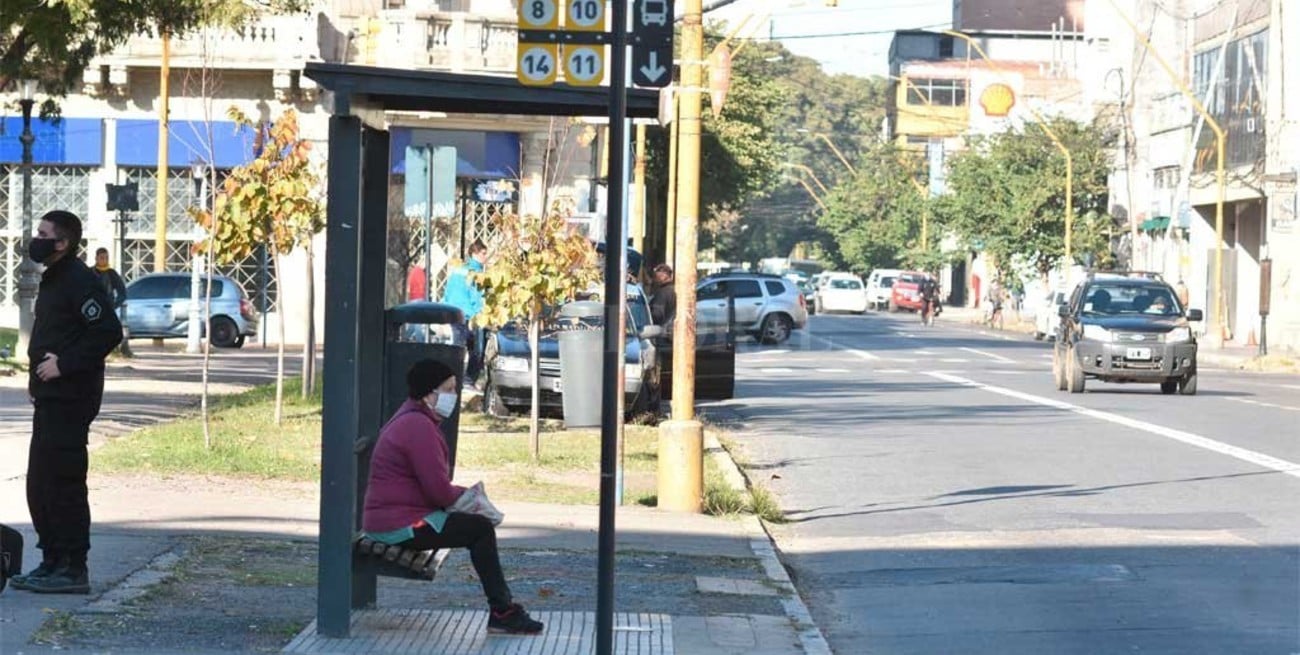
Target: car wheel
[(1058, 370), (1169, 387), (1074, 380), (1187, 385), (223, 332), (776, 329), (239, 343), (492, 404)]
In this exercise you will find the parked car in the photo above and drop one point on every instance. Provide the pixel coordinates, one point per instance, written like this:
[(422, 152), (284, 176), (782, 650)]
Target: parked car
[(843, 292), (1047, 318), (768, 307), (507, 360), (879, 285), (158, 307), (906, 292), (1126, 328)]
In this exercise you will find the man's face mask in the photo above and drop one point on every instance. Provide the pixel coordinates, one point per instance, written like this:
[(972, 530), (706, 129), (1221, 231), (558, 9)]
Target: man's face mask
[(40, 249)]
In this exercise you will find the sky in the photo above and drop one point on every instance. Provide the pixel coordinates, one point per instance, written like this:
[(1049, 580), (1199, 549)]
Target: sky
[(858, 54)]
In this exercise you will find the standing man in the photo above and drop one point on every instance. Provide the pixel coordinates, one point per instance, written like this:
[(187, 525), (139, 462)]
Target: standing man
[(112, 281), (75, 330), (663, 298), (460, 291)]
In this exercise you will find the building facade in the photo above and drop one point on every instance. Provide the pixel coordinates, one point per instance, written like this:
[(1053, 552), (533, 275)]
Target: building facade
[(109, 133)]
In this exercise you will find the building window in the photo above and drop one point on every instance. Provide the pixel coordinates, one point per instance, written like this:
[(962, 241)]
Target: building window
[(1165, 177), (936, 92), (1236, 101)]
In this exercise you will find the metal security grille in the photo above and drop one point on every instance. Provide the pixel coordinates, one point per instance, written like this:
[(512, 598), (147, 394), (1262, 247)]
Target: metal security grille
[(9, 175), (59, 187), (182, 194), (9, 259)]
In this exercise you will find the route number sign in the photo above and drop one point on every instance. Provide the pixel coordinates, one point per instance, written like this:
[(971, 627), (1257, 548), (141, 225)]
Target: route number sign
[(538, 64), (584, 65), (584, 15), (538, 15)]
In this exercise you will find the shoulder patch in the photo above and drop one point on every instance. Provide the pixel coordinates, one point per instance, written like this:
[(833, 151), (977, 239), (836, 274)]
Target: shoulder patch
[(91, 311)]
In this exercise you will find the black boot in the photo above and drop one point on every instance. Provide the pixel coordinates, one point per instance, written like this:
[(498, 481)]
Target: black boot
[(66, 579), (49, 563)]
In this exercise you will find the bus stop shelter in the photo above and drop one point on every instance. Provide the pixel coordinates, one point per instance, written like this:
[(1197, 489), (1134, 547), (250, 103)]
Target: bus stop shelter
[(358, 98)]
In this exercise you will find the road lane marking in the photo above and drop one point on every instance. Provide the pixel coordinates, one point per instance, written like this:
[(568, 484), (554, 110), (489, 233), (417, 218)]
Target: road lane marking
[(925, 353), (776, 371), (860, 354), (1256, 458), (893, 370), (1264, 404), (992, 356), (1009, 371), (955, 360), (833, 370)]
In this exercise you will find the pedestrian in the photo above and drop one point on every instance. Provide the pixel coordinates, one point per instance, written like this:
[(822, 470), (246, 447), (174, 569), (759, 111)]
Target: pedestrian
[(410, 489), (74, 332), (663, 296), (461, 291), (110, 279)]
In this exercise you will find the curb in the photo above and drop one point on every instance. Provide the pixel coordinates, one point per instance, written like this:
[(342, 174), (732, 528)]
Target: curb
[(761, 543)]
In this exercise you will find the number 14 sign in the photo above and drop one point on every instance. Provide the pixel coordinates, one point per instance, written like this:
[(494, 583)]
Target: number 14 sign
[(540, 62)]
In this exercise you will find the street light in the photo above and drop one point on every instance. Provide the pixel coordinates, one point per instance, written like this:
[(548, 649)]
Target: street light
[(193, 332), (809, 171), (843, 160), (28, 279)]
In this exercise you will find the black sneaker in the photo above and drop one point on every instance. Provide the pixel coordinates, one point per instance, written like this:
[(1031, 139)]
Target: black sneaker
[(513, 620), (22, 581), (65, 580)]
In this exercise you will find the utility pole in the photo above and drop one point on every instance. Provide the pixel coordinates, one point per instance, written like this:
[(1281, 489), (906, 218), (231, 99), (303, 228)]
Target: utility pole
[(681, 440), (638, 183), (164, 112), (670, 242)]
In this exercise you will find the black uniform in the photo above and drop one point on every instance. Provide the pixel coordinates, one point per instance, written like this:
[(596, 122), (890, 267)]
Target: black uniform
[(74, 321)]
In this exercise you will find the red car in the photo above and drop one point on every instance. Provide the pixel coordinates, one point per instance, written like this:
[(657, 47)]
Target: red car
[(906, 293)]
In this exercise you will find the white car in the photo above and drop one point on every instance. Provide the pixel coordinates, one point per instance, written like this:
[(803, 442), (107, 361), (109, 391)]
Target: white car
[(1047, 318), (842, 293), (880, 285)]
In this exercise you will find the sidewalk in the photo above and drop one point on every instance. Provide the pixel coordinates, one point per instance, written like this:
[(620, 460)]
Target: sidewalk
[(219, 565)]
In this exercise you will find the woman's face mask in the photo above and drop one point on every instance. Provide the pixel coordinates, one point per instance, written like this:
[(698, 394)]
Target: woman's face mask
[(444, 403)]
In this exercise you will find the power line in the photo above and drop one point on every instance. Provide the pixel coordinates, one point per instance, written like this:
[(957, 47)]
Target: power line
[(831, 35)]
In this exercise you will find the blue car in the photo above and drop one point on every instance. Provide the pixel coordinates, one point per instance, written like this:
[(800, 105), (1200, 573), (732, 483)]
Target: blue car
[(508, 389)]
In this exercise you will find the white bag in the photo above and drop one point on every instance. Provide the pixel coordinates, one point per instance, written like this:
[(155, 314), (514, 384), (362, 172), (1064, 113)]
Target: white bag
[(475, 501)]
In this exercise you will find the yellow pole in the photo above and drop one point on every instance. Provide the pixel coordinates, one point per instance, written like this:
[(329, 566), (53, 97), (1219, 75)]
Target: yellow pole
[(1042, 122), (160, 202), (681, 440), (1220, 308), (749, 37), (670, 247), (843, 160), (810, 173), (810, 191), (638, 185)]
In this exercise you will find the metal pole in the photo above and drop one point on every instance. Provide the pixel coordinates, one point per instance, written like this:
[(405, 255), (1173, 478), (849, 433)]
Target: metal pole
[(160, 201), (613, 355), (670, 247), (428, 227), (192, 336), (121, 261), (638, 183), (28, 275), (681, 440)]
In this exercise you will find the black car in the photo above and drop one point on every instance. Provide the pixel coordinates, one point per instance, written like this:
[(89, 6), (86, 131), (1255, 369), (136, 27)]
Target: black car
[(1126, 327)]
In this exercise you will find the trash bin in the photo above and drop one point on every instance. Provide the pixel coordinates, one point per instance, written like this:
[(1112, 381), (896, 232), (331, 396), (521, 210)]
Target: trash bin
[(582, 341), (416, 331)]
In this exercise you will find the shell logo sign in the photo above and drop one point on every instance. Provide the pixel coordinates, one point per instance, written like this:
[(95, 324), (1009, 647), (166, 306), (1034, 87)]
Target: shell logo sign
[(997, 100)]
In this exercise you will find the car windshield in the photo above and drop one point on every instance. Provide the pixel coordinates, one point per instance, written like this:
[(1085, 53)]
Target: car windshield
[(886, 282), (1116, 300), (845, 284)]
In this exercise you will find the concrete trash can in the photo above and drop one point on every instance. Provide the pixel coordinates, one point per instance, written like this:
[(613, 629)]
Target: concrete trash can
[(582, 339)]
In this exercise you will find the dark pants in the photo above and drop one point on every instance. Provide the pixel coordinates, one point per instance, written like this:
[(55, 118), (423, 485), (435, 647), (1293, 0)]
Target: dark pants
[(56, 478), (478, 535), (472, 339)]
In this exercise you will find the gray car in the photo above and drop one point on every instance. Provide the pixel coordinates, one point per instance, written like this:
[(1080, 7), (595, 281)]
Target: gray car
[(768, 307), (158, 307)]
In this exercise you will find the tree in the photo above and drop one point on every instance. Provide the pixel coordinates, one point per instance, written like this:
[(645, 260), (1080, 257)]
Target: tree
[(542, 263), (874, 217), (273, 200), (1007, 193)]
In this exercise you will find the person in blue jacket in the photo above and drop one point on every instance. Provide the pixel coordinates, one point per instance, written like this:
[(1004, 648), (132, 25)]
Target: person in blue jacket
[(460, 291)]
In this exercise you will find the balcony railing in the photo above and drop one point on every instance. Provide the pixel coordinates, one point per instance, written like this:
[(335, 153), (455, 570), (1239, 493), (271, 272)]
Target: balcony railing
[(455, 42), (267, 43)]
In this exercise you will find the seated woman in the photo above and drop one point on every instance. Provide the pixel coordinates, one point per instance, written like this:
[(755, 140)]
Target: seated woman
[(410, 485)]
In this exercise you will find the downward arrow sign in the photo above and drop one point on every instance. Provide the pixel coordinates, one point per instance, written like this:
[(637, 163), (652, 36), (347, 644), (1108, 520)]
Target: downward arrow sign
[(652, 70)]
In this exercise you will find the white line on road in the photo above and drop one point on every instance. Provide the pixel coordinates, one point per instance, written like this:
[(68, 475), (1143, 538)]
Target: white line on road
[(1009, 372), (833, 370), (1264, 404), (893, 370), (955, 361), (1256, 458), (860, 354), (777, 371), (992, 356)]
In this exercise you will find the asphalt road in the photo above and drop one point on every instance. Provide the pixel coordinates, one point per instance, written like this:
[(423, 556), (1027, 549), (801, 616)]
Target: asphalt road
[(944, 497)]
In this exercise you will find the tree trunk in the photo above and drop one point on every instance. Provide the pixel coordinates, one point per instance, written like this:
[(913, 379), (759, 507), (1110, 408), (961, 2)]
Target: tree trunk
[(535, 417), (309, 344), (207, 352), (279, 363)]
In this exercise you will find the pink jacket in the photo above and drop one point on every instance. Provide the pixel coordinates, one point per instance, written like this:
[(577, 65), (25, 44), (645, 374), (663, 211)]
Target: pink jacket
[(409, 471)]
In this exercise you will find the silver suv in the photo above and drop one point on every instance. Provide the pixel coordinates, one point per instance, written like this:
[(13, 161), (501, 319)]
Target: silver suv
[(768, 307), (158, 306)]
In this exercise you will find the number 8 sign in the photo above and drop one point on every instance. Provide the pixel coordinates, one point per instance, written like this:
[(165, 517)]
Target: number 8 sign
[(538, 15)]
